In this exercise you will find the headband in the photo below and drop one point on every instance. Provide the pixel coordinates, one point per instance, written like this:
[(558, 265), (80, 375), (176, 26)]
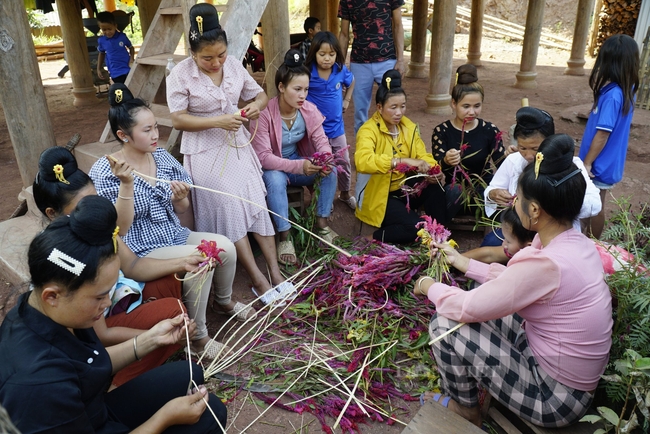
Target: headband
[(58, 172), (569, 176)]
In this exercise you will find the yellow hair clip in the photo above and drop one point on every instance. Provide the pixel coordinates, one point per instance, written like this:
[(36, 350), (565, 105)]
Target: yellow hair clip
[(58, 172), (118, 96), (115, 232), (388, 80), (199, 21), (538, 162), (456, 82)]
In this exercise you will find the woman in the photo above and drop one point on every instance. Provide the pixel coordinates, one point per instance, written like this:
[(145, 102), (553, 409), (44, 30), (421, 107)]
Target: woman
[(538, 330), (289, 132), (147, 208), (532, 127), (386, 140), (466, 142), (136, 306), (54, 371), (203, 92)]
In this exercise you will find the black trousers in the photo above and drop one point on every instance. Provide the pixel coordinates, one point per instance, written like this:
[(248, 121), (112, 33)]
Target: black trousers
[(399, 223), (137, 400)]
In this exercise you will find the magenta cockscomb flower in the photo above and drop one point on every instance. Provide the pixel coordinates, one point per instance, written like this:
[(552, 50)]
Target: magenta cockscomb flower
[(210, 251)]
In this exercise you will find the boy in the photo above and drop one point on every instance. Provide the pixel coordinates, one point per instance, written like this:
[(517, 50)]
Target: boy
[(113, 46), (311, 26)]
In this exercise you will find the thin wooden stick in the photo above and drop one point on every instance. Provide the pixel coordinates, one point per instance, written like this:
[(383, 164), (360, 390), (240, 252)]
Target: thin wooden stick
[(354, 389), (448, 332)]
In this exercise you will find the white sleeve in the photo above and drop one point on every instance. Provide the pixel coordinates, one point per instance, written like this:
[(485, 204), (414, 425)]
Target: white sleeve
[(592, 205), (501, 180)]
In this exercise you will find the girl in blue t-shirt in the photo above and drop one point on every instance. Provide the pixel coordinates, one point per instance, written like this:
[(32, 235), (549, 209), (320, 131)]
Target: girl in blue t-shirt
[(614, 81), (328, 82)]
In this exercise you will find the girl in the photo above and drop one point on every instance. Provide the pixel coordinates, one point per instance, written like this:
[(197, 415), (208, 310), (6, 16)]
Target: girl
[(147, 209), (480, 151), (387, 139), (330, 88), (203, 92), (54, 372), (546, 371), (532, 127), (614, 81), (289, 132)]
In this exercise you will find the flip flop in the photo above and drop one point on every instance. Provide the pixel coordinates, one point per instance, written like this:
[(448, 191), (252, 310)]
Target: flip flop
[(269, 297), (241, 312), (350, 202), (286, 290), (328, 234), (286, 248)]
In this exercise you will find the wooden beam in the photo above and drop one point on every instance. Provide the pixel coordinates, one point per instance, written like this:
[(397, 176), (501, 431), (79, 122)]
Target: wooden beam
[(333, 23), (234, 27), (576, 63), (21, 93), (318, 9), (442, 52), (147, 10), (416, 66), (276, 40), (527, 74)]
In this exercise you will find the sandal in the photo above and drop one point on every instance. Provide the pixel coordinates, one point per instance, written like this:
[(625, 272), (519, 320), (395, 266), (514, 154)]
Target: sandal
[(286, 248), (286, 290), (328, 234), (241, 312), (436, 398), (350, 201), (211, 351), (269, 297)]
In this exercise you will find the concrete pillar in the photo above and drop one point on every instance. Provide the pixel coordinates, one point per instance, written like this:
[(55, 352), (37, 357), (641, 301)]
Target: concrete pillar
[(577, 61), (147, 10), (527, 72), (276, 40), (475, 32), (442, 53), (416, 66), (21, 93), (76, 50)]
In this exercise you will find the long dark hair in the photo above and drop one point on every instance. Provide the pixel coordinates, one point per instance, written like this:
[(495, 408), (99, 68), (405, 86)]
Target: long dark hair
[(124, 107), (509, 217), (325, 38), (57, 191), (391, 85), (209, 30), (72, 248), (293, 66), (617, 62)]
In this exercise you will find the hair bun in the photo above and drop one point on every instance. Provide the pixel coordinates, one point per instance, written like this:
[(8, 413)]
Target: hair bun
[(293, 58), (118, 94), (52, 157), (466, 74), (558, 152), (94, 220), (531, 118), (391, 79)]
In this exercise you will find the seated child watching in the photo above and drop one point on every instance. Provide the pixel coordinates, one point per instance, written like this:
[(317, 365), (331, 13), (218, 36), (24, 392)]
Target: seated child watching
[(113, 46), (311, 26)]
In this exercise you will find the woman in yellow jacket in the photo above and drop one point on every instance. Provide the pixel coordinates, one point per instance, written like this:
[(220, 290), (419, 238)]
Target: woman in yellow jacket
[(389, 144)]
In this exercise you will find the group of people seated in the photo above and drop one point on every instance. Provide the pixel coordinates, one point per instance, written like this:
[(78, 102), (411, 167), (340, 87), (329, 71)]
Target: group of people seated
[(87, 344)]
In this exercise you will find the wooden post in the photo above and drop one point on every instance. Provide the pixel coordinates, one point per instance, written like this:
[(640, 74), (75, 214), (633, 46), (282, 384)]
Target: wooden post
[(333, 23), (577, 61), (21, 94), (595, 25), (442, 52), (527, 72), (416, 66), (475, 32), (109, 5), (318, 9), (147, 10), (276, 40), (76, 51)]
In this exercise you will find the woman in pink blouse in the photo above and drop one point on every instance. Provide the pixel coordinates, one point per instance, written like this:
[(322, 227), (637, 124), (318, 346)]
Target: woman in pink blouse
[(538, 330), (202, 93)]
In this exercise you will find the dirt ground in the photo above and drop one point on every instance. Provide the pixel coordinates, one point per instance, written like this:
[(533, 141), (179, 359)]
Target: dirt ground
[(556, 93)]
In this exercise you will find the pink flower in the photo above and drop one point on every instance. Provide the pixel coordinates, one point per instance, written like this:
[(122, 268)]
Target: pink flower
[(210, 251), (404, 168)]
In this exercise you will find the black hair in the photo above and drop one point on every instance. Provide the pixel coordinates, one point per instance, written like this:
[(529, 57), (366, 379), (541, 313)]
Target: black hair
[(310, 23), (532, 121), (391, 85), (55, 192), (124, 107), (617, 62), (509, 217), (106, 18), (204, 27), (293, 66), (86, 236), (559, 187), (325, 38), (466, 82)]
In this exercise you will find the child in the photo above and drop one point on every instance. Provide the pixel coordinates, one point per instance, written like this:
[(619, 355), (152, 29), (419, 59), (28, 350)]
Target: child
[(311, 26), (113, 46), (614, 81), (329, 79)]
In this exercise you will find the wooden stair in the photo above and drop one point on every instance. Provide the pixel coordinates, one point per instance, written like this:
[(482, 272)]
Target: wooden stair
[(239, 18)]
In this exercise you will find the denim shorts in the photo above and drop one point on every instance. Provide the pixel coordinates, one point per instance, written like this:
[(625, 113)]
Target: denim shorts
[(602, 185)]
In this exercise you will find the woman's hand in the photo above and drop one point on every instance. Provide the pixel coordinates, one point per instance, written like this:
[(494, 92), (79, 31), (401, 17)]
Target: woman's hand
[(229, 122), (251, 111), (449, 254), (310, 169), (500, 196), (121, 169), (422, 285), (421, 165), (186, 410), (190, 263), (180, 190), (452, 157), (171, 331)]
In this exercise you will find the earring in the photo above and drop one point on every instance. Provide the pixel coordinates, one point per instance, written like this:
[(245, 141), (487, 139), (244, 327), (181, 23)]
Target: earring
[(536, 221), (126, 140)]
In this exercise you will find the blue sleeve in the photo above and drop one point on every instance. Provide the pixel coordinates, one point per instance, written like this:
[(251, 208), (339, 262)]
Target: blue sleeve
[(347, 76), (609, 110), (100, 44), (106, 183), (127, 42)]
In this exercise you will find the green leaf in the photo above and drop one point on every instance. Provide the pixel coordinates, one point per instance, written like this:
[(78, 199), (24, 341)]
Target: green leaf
[(643, 363), (591, 418), (600, 431), (609, 415)]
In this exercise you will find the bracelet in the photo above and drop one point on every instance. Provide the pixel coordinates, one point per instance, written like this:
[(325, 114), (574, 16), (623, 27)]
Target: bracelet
[(393, 163), (135, 348), (119, 196), (346, 100)]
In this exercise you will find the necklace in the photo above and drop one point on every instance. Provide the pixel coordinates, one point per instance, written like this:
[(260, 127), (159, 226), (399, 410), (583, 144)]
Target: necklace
[(291, 119)]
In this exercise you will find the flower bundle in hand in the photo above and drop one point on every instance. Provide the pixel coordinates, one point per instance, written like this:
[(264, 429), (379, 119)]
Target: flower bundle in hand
[(433, 232), (329, 160), (417, 189), (210, 252)]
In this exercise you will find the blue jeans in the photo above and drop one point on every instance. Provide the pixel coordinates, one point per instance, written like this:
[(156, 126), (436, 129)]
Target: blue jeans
[(365, 74), (276, 183)]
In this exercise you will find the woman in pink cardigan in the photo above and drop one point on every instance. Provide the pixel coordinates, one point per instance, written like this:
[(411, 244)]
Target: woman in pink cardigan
[(538, 330), (289, 131)]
